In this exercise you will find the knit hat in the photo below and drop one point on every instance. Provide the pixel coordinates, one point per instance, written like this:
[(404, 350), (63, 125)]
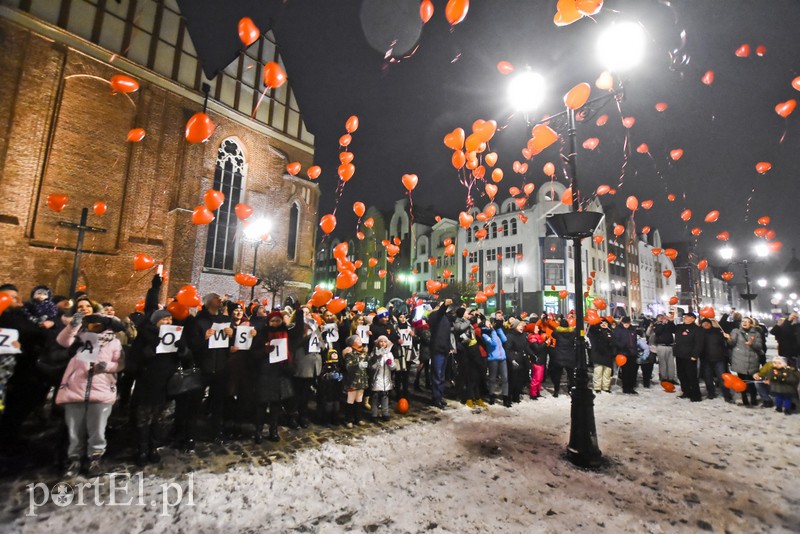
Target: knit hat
[(513, 322), (273, 314), (158, 315), (626, 319), (332, 356), (690, 314), (351, 340), (386, 339), (780, 359), (380, 313)]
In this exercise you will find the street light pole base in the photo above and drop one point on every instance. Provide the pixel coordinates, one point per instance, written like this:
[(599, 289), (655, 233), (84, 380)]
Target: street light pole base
[(583, 450)]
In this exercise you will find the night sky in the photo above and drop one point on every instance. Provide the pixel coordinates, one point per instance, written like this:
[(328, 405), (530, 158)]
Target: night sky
[(406, 108)]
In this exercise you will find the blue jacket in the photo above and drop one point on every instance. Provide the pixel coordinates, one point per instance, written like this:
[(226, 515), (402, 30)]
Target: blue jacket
[(493, 340)]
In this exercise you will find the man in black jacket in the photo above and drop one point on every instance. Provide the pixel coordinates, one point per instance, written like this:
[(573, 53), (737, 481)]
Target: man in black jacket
[(624, 340), (688, 346), (713, 358), (213, 361), (440, 349), (787, 334), (663, 333)]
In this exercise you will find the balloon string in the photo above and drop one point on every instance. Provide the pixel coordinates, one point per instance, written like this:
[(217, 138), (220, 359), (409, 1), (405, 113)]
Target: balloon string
[(255, 109), (749, 201), (92, 76), (411, 206), (785, 130)]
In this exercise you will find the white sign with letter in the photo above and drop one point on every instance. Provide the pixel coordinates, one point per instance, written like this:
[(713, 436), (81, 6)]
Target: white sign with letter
[(314, 345), (243, 337), (280, 350), (219, 340), (90, 350), (7, 338), (406, 337), (363, 332), (331, 332), (168, 337)]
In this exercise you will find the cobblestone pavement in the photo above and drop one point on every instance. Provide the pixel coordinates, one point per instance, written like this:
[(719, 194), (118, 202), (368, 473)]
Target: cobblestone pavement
[(35, 463)]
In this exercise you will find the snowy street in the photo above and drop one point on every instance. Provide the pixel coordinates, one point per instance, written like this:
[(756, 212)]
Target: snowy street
[(675, 467)]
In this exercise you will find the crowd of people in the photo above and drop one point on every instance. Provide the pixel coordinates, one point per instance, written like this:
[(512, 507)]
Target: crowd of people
[(234, 371)]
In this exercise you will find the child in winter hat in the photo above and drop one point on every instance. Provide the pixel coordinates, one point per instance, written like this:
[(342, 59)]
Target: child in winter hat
[(41, 307), (383, 364)]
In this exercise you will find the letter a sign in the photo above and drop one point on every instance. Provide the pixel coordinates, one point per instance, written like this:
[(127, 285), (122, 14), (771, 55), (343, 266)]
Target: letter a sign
[(90, 350)]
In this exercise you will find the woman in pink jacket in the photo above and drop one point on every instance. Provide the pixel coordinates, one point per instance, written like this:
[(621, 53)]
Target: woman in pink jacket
[(88, 389)]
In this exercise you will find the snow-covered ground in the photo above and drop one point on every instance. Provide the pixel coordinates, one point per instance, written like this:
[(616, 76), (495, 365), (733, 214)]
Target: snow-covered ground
[(675, 466)]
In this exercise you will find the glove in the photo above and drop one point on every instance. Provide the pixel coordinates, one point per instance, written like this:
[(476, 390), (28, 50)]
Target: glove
[(363, 365), (389, 362), (100, 367), (156, 281), (76, 319)]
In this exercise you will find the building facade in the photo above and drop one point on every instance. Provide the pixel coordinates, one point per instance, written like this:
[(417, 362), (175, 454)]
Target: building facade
[(66, 134)]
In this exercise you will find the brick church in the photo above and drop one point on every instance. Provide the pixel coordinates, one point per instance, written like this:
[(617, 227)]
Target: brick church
[(64, 132)]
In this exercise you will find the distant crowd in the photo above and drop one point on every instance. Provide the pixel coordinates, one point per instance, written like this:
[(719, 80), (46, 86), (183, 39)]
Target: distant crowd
[(233, 371)]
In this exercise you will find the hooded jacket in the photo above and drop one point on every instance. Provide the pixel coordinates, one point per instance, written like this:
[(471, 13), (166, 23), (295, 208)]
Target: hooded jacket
[(82, 382), (563, 354), (382, 371), (602, 351), (493, 340), (744, 358)]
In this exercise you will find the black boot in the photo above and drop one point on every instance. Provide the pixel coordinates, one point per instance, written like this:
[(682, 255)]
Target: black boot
[(491, 400), (744, 400), (273, 432), (348, 415), (152, 455), (258, 437), (507, 401)]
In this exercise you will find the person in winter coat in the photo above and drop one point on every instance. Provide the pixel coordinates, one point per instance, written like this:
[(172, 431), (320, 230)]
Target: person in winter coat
[(713, 358), (213, 361), (25, 386), (601, 355), (462, 332), (308, 365), (562, 355), (538, 345), (518, 358), (150, 395), (746, 347), (441, 347), (646, 358), (273, 350), (88, 388), (493, 340), (422, 331), (383, 364), (687, 349), (625, 342), (405, 355), (662, 334), (41, 309), (330, 388), (782, 380), (787, 334), (356, 360), (240, 385)]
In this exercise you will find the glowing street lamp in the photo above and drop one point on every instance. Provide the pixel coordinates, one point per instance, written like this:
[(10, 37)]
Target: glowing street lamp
[(621, 46), (257, 231)]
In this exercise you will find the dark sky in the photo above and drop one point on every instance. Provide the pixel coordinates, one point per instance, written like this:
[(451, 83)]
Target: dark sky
[(406, 108)]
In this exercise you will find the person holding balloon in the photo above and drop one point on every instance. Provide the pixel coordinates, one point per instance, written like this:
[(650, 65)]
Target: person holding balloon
[(626, 344), (746, 345), (714, 358)]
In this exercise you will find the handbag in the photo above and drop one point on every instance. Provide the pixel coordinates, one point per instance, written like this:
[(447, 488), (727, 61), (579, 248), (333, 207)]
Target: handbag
[(185, 380)]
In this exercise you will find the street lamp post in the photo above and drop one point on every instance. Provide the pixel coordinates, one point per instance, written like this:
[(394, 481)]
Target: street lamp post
[(257, 231), (621, 46)]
